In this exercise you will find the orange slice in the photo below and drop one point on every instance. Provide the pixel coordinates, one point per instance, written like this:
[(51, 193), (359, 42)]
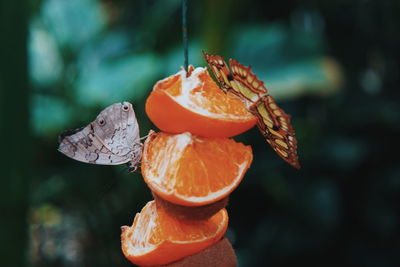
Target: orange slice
[(193, 171), (196, 104), (157, 238)]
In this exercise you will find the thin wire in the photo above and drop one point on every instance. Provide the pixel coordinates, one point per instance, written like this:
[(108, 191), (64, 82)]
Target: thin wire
[(185, 36)]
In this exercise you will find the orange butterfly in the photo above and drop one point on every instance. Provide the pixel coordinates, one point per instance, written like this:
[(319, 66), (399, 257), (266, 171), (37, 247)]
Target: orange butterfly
[(272, 121)]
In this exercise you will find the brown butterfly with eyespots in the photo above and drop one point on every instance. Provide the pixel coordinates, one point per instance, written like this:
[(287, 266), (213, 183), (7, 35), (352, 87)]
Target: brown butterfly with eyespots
[(272, 121)]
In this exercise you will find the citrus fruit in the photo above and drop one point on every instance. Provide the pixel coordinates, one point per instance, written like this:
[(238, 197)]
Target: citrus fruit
[(193, 171), (157, 238), (196, 104)]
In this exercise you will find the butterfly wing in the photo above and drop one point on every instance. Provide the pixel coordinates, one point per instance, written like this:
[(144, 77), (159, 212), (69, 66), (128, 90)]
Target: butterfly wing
[(112, 139), (241, 81), (277, 129), (220, 69), (272, 121), (247, 82), (120, 131), (85, 146)]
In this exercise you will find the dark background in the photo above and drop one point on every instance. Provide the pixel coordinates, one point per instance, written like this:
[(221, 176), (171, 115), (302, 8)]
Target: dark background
[(333, 65)]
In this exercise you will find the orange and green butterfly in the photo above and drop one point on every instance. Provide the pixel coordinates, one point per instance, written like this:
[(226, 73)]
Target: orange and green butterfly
[(273, 122)]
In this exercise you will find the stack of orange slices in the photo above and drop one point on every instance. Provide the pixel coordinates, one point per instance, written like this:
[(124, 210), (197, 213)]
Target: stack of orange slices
[(191, 164)]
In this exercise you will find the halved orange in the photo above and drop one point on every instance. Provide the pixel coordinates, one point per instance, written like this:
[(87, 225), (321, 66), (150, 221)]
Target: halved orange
[(196, 104), (157, 238), (193, 171)]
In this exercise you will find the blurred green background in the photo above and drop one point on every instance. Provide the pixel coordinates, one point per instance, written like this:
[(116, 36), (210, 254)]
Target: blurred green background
[(333, 65)]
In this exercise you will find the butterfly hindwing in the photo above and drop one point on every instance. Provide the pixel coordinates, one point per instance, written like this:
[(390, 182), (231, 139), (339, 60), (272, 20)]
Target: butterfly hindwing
[(277, 129), (85, 146), (249, 85)]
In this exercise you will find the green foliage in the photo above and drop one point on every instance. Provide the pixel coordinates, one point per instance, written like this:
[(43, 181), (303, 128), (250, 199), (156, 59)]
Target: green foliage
[(332, 65)]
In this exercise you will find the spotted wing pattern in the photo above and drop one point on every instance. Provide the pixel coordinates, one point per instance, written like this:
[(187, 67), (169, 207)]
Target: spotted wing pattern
[(249, 85), (275, 126), (221, 72), (241, 81), (272, 121), (112, 139)]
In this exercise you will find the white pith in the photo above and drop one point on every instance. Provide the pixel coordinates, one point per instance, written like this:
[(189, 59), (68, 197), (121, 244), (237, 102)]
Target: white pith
[(184, 99), (139, 244), (163, 178)]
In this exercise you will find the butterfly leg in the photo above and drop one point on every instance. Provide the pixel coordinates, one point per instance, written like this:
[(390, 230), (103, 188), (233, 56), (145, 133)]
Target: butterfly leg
[(144, 137), (133, 168), (138, 167)]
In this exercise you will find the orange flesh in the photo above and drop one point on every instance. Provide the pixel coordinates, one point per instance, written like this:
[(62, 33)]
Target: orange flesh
[(157, 238), (193, 171), (197, 105)]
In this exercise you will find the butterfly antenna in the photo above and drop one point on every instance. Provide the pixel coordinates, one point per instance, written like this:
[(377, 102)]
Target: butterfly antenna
[(185, 36)]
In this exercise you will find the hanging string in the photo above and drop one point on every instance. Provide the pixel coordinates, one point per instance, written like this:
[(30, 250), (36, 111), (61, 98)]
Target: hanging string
[(185, 36)]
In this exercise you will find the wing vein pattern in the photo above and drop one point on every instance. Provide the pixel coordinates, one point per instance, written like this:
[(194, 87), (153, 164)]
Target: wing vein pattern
[(273, 123)]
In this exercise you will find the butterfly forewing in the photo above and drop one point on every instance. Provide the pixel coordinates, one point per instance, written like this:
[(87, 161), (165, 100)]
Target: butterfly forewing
[(276, 127), (220, 69), (241, 81), (252, 88), (225, 79)]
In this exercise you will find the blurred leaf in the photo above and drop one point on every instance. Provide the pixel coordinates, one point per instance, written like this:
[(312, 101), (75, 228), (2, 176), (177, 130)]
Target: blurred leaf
[(274, 45), (73, 22), (45, 62), (50, 115), (320, 76), (124, 78), (290, 62), (107, 46)]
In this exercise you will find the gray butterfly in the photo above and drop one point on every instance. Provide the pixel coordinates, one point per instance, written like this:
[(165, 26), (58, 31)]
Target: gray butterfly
[(112, 139)]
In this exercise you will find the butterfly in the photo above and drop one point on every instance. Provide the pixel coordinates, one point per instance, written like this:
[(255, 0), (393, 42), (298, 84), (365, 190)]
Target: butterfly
[(272, 121), (112, 139)]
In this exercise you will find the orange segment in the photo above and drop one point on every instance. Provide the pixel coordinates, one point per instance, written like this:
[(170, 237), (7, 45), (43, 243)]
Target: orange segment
[(193, 171), (196, 104), (157, 238)]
